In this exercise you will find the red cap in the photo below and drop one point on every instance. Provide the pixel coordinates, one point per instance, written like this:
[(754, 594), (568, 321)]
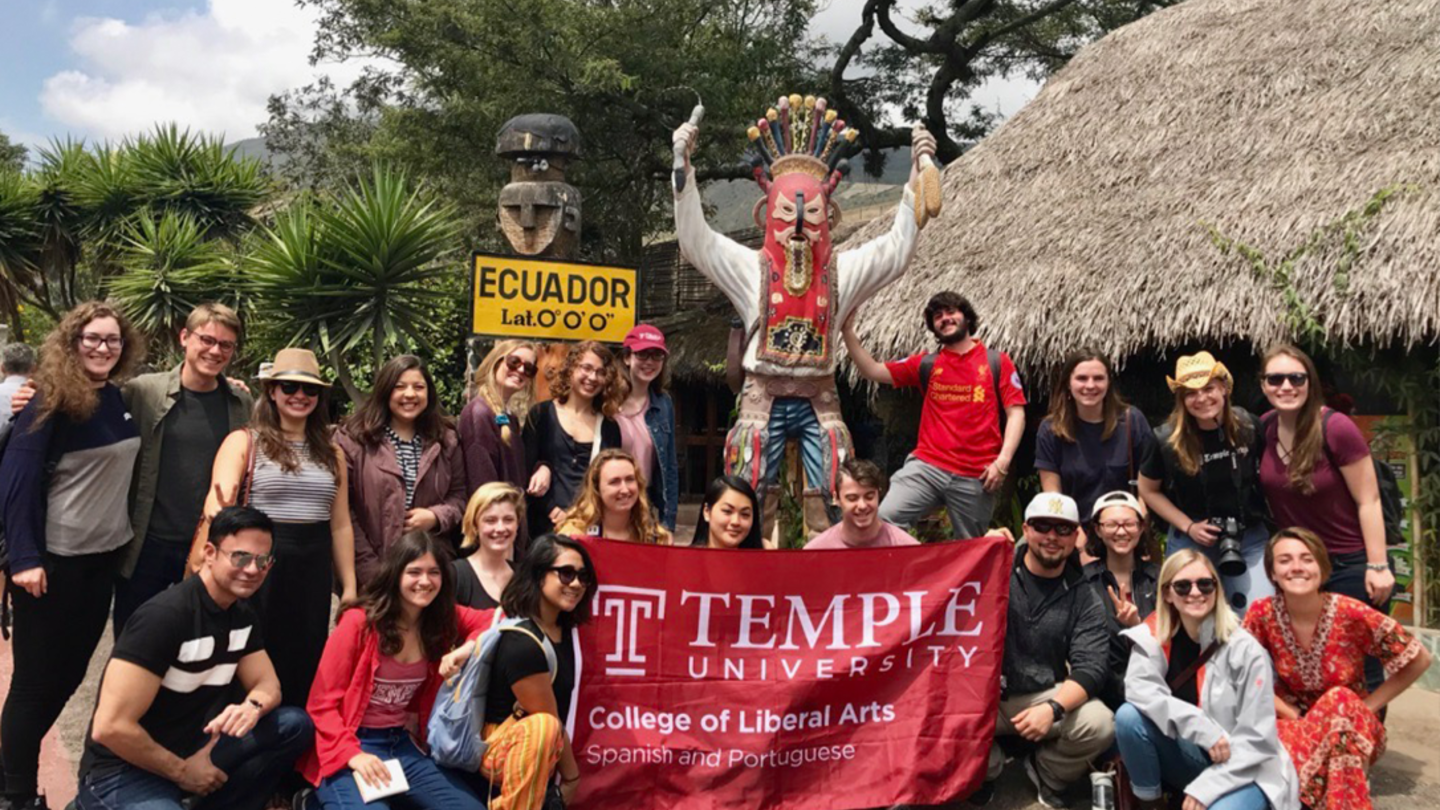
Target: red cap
[(644, 337)]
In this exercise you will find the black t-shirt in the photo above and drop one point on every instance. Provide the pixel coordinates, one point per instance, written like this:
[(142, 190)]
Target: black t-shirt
[(1183, 652), (194, 646), (469, 591), (1213, 492), (192, 433), (519, 657)]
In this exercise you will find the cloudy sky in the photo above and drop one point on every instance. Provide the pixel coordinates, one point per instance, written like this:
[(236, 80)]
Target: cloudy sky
[(108, 68)]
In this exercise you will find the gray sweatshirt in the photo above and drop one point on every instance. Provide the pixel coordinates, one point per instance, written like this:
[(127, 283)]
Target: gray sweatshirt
[(1237, 701)]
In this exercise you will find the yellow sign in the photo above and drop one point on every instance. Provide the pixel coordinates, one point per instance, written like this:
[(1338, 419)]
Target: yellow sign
[(512, 296)]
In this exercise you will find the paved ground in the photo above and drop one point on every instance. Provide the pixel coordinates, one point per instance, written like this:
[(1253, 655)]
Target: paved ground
[(1406, 778)]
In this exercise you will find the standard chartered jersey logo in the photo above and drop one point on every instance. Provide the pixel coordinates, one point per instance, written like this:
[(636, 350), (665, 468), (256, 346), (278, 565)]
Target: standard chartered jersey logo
[(629, 606)]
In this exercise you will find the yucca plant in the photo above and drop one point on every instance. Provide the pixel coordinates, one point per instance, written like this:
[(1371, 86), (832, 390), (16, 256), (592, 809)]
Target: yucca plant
[(355, 271), (19, 245), (170, 268), (196, 174)]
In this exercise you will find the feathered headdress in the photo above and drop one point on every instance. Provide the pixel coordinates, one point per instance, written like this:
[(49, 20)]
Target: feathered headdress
[(799, 134)]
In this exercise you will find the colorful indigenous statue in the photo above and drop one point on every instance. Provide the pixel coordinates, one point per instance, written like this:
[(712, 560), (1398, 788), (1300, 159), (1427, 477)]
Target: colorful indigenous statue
[(794, 293)]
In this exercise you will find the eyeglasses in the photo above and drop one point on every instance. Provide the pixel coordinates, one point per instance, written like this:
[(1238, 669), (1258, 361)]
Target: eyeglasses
[(1057, 528), (243, 559), (520, 364), (289, 387), (589, 370), (569, 573), (1181, 587), (651, 355), (90, 340), (208, 343), (1119, 525), (1297, 379)]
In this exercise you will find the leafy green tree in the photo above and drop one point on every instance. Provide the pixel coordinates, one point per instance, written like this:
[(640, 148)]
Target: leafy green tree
[(627, 73), (362, 270), (12, 155)]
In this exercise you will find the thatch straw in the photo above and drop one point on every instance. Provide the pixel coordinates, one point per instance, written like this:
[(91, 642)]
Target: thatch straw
[(1085, 218)]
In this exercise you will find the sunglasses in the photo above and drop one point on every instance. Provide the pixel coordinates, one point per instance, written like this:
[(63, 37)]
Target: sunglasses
[(289, 388), (1181, 587), (1057, 528), (243, 559), (521, 365), (569, 573), (1296, 379)]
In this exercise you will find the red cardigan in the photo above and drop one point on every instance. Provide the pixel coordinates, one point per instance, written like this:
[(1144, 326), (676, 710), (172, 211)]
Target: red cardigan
[(345, 680)]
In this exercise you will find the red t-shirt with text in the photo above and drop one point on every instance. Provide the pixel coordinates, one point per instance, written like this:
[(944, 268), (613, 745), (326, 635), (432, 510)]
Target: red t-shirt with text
[(960, 420)]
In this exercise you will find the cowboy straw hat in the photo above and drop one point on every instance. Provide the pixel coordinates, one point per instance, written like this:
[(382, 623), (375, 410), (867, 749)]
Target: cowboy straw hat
[(298, 365), (1195, 371)]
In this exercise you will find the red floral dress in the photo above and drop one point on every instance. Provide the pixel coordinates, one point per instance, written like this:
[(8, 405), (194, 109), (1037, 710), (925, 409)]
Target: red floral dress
[(1337, 737)]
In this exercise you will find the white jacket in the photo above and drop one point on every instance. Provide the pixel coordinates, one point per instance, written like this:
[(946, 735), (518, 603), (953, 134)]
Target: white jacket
[(1237, 701)]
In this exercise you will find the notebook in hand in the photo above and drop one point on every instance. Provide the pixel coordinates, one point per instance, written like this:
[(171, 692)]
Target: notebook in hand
[(397, 784)]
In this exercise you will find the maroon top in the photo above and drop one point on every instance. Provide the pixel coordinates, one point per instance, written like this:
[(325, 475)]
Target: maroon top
[(1329, 511), (488, 458)]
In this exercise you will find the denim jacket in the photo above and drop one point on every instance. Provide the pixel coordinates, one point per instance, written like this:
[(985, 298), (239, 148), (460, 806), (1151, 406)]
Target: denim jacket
[(664, 490)]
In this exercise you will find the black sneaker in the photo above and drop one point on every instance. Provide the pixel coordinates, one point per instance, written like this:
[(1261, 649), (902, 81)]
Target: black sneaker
[(1043, 792), (982, 795)]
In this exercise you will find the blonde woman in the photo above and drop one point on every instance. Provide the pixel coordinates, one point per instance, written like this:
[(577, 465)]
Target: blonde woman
[(612, 503), (1199, 716), (1203, 477), (493, 519)]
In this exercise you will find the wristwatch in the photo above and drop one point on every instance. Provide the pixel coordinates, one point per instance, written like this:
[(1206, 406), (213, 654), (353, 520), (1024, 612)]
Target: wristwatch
[(1377, 566), (1057, 708), (257, 704)]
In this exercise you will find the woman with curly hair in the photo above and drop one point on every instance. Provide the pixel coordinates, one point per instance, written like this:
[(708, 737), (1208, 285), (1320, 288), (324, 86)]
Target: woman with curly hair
[(564, 434), (406, 471), (381, 672), (613, 504), (489, 430), (64, 490)]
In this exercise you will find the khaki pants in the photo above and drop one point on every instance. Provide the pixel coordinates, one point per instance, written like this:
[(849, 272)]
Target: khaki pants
[(1063, 757)]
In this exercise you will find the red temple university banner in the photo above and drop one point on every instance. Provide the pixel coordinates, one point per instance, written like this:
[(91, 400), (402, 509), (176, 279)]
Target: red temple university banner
[(813, 680)]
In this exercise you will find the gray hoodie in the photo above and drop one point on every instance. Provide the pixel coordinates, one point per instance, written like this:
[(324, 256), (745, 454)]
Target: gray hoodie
[(1237, 701)]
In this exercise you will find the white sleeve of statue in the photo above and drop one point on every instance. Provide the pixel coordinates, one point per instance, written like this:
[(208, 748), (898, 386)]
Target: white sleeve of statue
[(731, 266), (862, 271)]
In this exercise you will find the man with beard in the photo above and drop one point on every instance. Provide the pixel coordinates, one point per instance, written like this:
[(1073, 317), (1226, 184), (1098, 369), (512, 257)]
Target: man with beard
[(189, 710), (862, 485), (971, 420), (1056, 645)]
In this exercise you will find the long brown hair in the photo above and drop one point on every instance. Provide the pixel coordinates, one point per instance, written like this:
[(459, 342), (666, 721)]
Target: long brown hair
[(1185, 432), (1307, 445), (367, 425), (589, 509), (381, 598), (489, 392), (1063, 416), (265, 421), (61, 383), (611, 395)]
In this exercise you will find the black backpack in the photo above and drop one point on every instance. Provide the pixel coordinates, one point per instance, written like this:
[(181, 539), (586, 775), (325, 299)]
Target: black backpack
[(927, 365)]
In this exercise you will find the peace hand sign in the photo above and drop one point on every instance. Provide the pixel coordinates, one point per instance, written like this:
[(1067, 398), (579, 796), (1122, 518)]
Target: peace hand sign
[(1125, 611)]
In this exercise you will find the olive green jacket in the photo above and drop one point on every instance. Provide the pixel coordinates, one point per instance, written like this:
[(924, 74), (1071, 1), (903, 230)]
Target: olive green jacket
[(149, 398)]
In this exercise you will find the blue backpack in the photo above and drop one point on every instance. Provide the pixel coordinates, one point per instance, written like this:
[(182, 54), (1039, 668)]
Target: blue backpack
[(459, 713)]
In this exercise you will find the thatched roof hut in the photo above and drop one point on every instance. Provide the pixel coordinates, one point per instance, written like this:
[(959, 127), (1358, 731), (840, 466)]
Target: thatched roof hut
[(1090, 217)]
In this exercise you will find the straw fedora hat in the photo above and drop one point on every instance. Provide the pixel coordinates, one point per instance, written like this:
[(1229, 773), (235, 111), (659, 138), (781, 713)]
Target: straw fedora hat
[(298, 365), (1195, 371)]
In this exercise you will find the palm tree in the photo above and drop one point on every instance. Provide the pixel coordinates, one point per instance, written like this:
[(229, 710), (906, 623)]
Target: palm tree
[(170, 268), (19, 245), (356, 270)]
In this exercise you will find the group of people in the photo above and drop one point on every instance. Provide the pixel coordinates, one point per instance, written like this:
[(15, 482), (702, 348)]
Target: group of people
[(114, 487)]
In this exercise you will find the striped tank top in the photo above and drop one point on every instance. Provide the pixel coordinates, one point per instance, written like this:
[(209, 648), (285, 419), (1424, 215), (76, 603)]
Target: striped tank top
[(304, 496)]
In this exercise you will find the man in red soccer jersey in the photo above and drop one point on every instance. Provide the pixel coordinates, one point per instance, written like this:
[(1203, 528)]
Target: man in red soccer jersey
[(970, 423)]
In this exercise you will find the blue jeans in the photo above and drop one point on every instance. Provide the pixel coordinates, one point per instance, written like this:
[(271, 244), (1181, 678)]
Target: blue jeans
[(254, 765), (1249, 586), (1156, 761), (160, 565), (431, 786)]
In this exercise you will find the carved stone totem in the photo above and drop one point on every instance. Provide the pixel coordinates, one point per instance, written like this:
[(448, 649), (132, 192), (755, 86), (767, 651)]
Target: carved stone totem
[(539, 211)]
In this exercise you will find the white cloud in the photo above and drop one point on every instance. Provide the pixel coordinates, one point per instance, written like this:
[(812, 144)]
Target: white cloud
[(210, 70)]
